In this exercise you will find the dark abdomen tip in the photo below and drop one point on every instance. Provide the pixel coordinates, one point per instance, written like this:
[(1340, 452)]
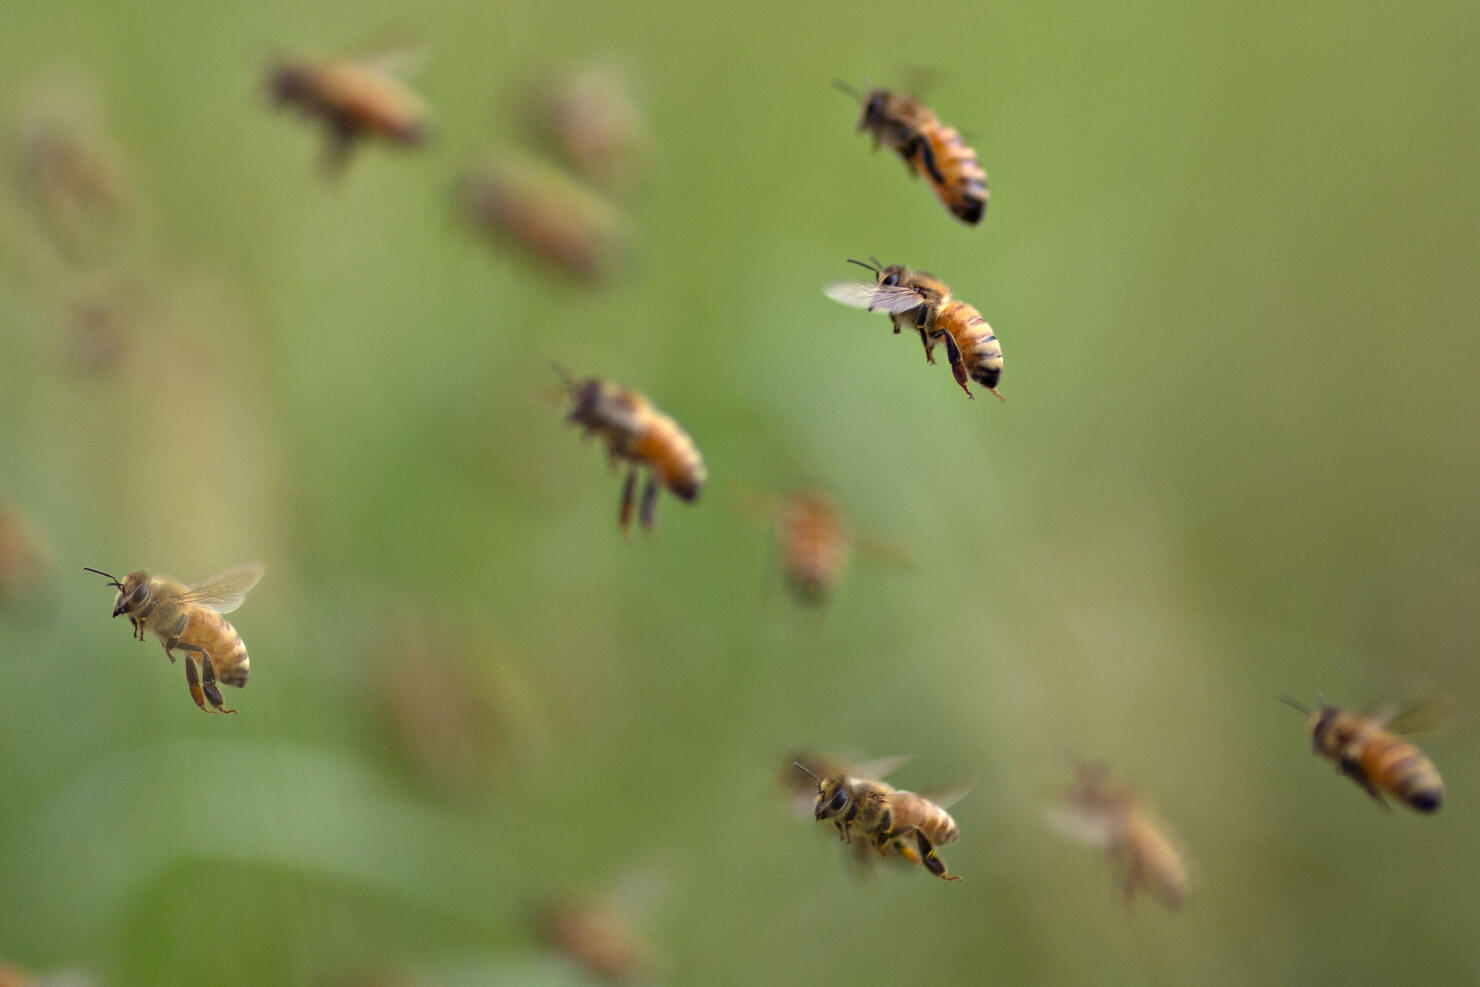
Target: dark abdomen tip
[(1425, 801)]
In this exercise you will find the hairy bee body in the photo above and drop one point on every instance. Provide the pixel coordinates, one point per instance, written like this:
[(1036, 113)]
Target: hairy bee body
[(929, 149), (1376, 758), (353, 99), (643, 436), (189, 618), (891, 819), (815, 544), (922, 302), (1104, 812)]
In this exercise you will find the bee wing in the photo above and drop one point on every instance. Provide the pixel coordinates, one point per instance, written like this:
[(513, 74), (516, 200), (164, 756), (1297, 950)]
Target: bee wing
[(1433, 713), (1080, 823), (947, 797), (881, 767), (873, 297), (225, 591)]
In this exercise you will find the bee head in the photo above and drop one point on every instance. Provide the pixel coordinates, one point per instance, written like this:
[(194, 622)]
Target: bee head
[(132, 592), (833, 797), (873, 114), (1321, 720)]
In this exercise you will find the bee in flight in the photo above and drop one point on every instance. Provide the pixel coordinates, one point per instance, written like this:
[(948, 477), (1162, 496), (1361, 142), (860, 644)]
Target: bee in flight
[(354, 98), (1102, 811), (1368, 750), (923, 302), (815, 540), (642, 435), (928, 148), (189, 618), (890, 819)]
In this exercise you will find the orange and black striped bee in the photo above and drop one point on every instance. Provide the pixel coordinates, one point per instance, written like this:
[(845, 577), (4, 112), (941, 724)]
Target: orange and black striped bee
[(642, 435), (928, 147), (190, 618), (1368, 750), (890, 819), (353, 98), (1102, 811), (921, 301)]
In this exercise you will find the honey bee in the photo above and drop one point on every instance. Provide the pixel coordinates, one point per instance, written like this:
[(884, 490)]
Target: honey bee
[(636, 431), (590, 119), (189, 618), (1368, 750), (922, 302), (1101, 811), (353, 98), (928, 148), (601, 937), (557, 220), (815, 540), (889, 818)]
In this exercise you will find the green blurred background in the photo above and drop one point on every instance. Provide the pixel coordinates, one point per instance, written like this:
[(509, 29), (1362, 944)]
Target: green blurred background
[(1232, 257)]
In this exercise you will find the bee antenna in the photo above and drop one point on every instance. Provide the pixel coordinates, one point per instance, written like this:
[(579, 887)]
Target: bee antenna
[(845, 88), (1297, 704), (798, 764), (876, 267), (111, 578), (565, 377)]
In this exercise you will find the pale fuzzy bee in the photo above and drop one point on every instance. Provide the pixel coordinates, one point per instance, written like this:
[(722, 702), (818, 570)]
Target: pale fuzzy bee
[(545, 215), (922, 302), (1368, 750), (592, 120), (1102, 811), (640, 434), (189, 618), (928, 148), (889, 819), (354, 98)]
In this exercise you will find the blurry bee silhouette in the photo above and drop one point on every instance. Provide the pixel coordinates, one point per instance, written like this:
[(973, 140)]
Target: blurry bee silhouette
[(1368, 750), (640, 434), (601, 935), (354, 99), (815, 540), (921, 301), (890, 819), (25, 561), (190, 618), (590, 119), (1101, 811), (927, 147), (552, 217)]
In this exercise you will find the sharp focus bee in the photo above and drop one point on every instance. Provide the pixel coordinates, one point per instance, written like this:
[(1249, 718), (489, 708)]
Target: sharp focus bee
[(891, 820), (1368, 750), (1104, 812), (928, 148), (815, 541), (353, 99), (922, 302), (642, 435), (189, 618)]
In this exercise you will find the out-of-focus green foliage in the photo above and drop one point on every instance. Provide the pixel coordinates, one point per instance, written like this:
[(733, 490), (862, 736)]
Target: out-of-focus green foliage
[(1231, 255)]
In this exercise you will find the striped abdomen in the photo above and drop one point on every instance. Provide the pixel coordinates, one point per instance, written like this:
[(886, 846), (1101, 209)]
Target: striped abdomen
[(212, 633), (957, 176), (909, 810), (668, 451), (1401, 769), (980, 350)]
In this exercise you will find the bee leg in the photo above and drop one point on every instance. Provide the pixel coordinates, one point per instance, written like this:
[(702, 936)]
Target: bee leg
[(927, 158), (624, 516), (932, 863), (172, 640), (209, 685), (649, 503), (193, 678), (336, 150), (958, 366), (1352, 768)]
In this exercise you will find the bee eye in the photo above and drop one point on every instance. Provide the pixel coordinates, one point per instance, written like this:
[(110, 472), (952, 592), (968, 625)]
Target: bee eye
[(137, 596), (838, 801), (891, 280)]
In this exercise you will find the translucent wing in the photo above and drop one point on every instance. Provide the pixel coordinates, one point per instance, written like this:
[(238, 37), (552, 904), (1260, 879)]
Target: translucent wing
[(1080, 823), (1433, 713), (875, 298), (947, 797), (225, 590)]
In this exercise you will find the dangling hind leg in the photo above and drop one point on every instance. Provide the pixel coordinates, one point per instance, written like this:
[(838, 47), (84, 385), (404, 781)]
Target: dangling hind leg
[(629, 487), (209, 686), (649, 503)]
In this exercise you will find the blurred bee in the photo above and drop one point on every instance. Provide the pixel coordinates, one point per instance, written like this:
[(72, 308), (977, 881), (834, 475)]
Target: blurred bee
[(598, 937), (815, 540), (1368, 751), (567, 225), (24, 561), (591, 120), (928, 147), (353, 99), (636, 431), (922, 302), (1101, 811), (189, 618), (891, 820)]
